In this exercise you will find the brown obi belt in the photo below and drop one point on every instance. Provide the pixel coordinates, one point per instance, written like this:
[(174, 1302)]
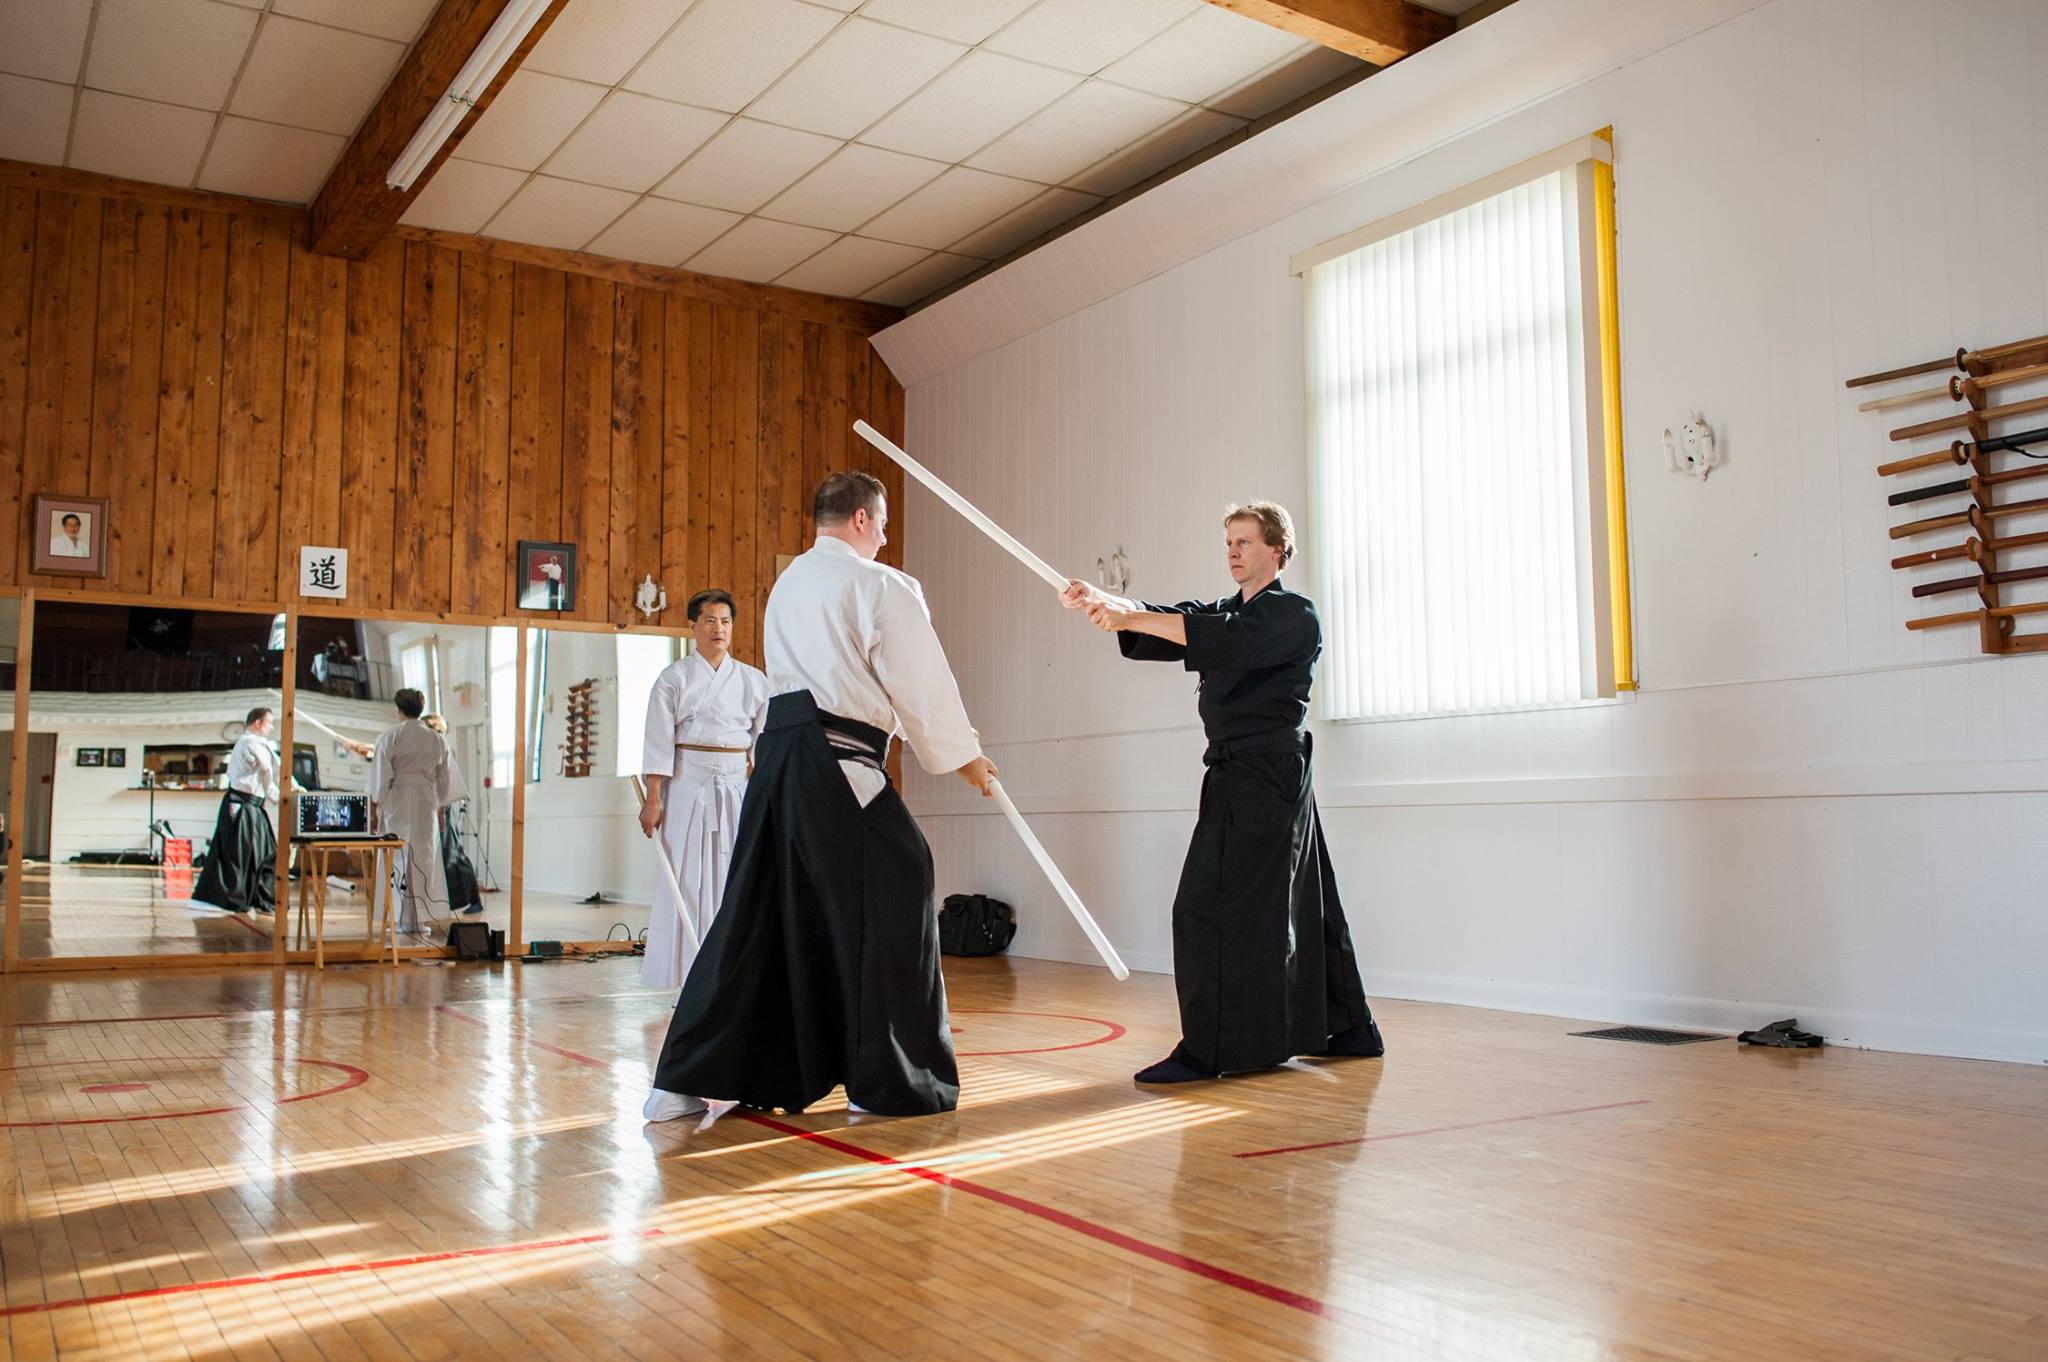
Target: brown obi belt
[(700, 747)]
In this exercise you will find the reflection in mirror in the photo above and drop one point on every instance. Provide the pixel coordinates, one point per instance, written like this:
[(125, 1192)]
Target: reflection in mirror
[(589, 873), (150, 812), (411, 727), (10, 652)]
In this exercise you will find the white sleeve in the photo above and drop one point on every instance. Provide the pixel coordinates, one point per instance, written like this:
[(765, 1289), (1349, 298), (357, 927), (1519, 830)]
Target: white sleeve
[(658, 751), (910, 663)]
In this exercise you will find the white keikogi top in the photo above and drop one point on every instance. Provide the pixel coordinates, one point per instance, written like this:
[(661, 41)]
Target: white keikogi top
[(694, 702), (252, 767), (857, 635)]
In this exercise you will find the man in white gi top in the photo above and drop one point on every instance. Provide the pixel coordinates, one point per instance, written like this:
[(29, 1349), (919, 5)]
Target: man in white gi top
[(822, 966), (413, 777), (702, 718)]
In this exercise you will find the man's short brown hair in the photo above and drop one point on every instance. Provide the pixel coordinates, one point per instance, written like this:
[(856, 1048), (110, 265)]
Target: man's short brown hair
[(1276, 527), (840, 495)]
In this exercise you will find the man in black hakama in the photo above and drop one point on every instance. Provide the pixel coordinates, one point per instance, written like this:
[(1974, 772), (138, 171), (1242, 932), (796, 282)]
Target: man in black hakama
[(240, 874), (1262, 956), (821, 967)]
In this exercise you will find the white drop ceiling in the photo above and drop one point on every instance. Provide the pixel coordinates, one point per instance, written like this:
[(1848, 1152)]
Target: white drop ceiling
[(864, 148)]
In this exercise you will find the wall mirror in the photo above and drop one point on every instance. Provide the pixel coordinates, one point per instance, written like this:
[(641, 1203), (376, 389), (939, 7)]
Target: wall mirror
[(589, 874), (144, 833), (371, 773)]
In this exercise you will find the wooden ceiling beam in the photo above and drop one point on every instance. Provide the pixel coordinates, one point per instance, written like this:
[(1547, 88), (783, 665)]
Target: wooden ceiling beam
[(1379, 31), (356, 208)]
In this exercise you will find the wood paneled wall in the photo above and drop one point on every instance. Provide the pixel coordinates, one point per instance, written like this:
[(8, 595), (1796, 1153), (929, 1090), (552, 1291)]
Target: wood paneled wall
[(235, 395)]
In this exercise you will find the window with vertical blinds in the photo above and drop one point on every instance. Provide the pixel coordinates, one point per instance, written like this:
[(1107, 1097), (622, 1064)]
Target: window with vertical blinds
[(1461, 549)]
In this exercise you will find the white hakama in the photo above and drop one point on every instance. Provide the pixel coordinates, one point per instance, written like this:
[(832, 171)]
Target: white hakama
[(413, 777), (694, 704)]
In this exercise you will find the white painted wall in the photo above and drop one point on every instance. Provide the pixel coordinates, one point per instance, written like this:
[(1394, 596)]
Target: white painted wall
[(1807, 810)]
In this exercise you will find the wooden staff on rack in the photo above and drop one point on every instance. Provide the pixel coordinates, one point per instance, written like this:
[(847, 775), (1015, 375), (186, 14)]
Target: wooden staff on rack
[(1942, 588), (1976, 363), (2001, 612), (1972, 548), (1970, 420), (1972, 484), (1960, 388), (1969, 517), (1963, 451)]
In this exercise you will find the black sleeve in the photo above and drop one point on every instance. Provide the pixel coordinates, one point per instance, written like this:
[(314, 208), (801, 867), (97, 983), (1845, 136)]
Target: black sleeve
[(1146, 648), (1274, 635)]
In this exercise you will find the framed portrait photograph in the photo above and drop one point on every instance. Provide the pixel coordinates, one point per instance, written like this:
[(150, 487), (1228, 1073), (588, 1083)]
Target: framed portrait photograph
[(68, 535), (547, 575), (117, 756), (92, 756)]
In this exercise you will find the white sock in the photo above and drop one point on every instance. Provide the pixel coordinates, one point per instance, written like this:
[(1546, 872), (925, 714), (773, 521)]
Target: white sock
[(671, 1106)]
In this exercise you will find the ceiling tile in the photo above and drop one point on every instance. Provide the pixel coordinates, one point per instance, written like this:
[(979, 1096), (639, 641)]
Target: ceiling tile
[(1087, 35), (854, 77), (1089, 124), (851, 5), (725, 52), (921, 280), (600, 40), (759, 250), (43, 38), (462, 196), (138, 139), (850, 266), (35, 115), (398, 20), (179, 51), (960, 21), (265, 161), (1208, 52), (746, 165), (632, 141), (851, 188), (662, 233), (529, 119), (1183, 137), (311, 76), (1285, 81), (1027, 224), (550, 212), (950, 207), (969, 106)]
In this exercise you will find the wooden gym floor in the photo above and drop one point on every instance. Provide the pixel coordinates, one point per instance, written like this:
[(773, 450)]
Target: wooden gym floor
[(448, 1162), (95, 911)]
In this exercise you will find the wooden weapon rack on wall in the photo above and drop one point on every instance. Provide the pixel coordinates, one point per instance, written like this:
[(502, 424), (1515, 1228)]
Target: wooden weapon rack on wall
[(1990, 450)]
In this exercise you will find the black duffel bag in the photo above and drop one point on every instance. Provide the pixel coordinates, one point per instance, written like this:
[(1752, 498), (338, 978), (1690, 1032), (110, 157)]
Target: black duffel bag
[(975, 924)]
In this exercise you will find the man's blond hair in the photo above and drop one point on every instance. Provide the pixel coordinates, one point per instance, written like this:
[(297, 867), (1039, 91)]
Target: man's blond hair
[(1276, 527)]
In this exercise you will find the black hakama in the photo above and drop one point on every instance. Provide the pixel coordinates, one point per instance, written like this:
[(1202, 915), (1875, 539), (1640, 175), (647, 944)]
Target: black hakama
[(1262, 955), (241, 861), (822, 966)]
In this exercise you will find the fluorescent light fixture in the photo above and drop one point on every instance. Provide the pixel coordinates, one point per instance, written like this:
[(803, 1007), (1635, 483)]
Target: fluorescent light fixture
[(513, 23)]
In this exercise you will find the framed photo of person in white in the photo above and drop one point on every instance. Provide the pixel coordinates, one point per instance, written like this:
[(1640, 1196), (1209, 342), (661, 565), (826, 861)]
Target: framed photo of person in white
[(68, 536), (547, 575)]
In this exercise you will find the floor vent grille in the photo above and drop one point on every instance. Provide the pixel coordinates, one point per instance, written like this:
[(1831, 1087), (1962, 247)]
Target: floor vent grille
[(1650, 1035)]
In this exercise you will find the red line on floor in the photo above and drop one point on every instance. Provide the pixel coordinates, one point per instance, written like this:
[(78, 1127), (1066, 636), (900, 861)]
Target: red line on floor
[(1113, 1032), (1102, 1233), (108, 1021), (353, 1078), (1437, 1130), (524, 1035), (334, 1270)]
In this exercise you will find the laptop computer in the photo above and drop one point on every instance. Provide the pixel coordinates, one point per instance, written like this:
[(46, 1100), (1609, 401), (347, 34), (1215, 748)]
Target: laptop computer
[(328, 816)]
